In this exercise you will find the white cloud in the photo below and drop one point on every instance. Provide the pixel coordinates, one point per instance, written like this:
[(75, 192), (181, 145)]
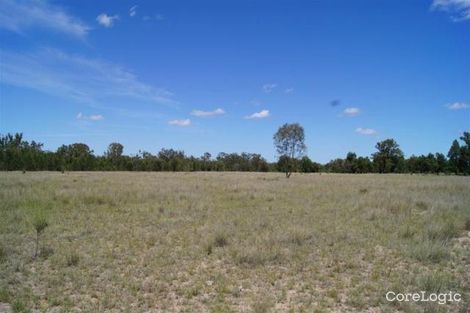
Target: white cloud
[(200, 113), (459, 8), (289, 90), (106, 20), (258, 115), (351, 112), (19, 16), (76, 78), (366, 131), (458, 106), (268, 88), (97, 117), (182, 123), (133, 11)]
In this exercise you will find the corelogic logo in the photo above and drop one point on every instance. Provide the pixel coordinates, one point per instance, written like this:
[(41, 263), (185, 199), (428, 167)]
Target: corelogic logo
[(423, 296)]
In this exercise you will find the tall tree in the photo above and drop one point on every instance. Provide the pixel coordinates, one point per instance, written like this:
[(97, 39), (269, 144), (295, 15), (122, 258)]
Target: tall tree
[(441, 163), (389, 157), (465, 153), (114, 151), (114, 155), (454, 157), (76, 157), (206, 158), (289, 141), (351, 163)]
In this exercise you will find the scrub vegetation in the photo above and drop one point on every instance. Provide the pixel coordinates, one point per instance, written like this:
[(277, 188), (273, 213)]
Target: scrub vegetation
[(231, 242)]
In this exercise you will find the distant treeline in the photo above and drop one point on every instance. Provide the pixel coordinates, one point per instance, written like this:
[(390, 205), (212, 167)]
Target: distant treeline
[(19, 154)]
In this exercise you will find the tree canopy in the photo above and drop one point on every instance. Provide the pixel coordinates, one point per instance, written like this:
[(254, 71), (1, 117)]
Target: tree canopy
[(389, 157), (19, 154), (289, 141)]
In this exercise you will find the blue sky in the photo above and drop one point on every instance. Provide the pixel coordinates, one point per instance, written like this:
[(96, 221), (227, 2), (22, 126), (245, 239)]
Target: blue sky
[(224, 75)]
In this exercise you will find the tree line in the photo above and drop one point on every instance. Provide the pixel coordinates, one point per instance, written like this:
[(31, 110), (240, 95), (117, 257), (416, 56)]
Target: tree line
[(19, 154)]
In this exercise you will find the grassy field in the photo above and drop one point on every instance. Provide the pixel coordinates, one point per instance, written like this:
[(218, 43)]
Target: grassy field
[(232, 242)]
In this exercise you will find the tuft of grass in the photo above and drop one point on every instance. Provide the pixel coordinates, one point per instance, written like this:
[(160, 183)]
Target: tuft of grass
[(467, 224), (220, 308), (73, 259), (209, 247), (262, 305), (3, 253), (421, 205), (430, 251), (299, 236), (435, 282), (257, 256), (442, 231), (4, 295), (220, 239), (46, 252), (18, 306), (407, 232), (333, 293), (40, 222)]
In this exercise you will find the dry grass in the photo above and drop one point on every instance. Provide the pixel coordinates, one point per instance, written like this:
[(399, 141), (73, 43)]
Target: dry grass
[(232, 242)]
